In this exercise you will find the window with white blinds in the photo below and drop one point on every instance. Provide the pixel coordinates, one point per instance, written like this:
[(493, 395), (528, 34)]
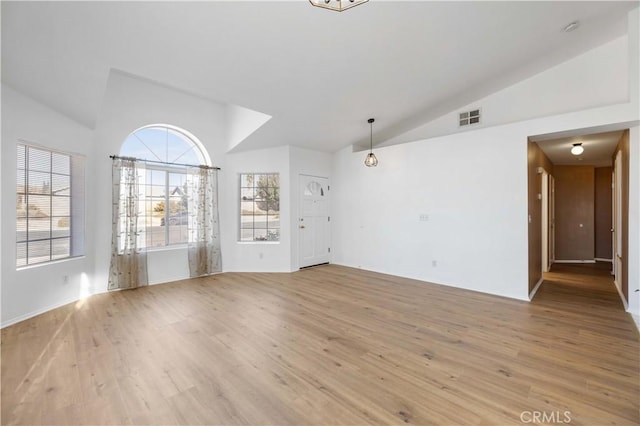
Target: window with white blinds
[(49, 205)]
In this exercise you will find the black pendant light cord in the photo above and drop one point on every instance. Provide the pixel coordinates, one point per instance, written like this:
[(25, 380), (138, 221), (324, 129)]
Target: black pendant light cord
[(371, 160)]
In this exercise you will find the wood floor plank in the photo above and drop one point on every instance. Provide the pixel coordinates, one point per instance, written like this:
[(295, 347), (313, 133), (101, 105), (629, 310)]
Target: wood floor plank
[(326, 345)]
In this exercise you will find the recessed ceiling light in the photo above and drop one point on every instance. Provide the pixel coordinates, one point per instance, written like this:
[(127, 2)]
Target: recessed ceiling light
[(572, 26)]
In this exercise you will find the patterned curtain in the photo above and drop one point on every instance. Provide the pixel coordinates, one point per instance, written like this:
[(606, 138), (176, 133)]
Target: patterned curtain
[(204, 229), (128, 267)]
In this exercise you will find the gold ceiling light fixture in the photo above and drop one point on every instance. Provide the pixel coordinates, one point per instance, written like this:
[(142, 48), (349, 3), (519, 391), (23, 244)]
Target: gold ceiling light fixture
[(371, 160), (577, 148), (337, 5)]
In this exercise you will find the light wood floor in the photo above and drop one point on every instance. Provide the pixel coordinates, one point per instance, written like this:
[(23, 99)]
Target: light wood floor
[(327, 345)]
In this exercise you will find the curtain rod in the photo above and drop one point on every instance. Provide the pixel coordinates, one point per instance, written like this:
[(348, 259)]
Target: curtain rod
[(202, 166)]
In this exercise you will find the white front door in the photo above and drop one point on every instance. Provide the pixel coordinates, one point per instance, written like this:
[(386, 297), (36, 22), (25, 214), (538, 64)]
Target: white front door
[(314, 221)]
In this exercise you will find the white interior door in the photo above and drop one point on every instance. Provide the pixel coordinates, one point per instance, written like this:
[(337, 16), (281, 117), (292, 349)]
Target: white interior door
[(314, 221)]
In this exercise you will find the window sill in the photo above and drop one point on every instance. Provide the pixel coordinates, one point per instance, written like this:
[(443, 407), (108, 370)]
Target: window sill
[(258, 242), (51, 262), (168, 248)]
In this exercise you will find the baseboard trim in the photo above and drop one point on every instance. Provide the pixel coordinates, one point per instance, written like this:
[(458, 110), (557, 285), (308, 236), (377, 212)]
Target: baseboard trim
[(601, 259), (624, 301), (575, 261), (535, 289), (37, 312), (636, 321), (429, 281)]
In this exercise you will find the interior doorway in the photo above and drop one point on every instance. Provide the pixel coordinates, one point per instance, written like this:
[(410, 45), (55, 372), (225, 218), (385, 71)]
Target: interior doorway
[(314, 222), (572, 204)]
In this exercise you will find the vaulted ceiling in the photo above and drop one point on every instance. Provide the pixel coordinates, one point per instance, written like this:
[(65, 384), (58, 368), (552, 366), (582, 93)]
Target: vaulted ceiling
[(319, 74)]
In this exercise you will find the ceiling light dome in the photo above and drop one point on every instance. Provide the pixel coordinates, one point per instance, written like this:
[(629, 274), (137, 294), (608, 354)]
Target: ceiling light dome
[(577, 148)]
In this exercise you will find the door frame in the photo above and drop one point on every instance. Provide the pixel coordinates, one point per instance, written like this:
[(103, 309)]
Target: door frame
[(545, 221), (301, 177), (617, 220), (552, 220)]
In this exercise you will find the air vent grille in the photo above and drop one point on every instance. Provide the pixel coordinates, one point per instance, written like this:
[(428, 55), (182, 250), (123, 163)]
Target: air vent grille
[(469, 117)]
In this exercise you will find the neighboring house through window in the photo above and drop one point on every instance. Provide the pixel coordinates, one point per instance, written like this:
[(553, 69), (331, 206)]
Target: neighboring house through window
[(259, 207), (167, 150), (49, 205)]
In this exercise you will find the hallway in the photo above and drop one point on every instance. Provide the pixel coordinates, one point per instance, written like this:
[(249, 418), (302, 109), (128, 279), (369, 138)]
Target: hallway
[(573, 289)]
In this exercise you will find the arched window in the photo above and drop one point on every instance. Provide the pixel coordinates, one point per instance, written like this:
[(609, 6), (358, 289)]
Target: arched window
[(166, 144), (167, 151)]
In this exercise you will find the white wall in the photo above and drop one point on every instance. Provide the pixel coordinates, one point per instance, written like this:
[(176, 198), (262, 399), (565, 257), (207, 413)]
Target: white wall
[(633, 32), (473, 187), (130, 103), (241, 122), (35, 289), (254, 256)]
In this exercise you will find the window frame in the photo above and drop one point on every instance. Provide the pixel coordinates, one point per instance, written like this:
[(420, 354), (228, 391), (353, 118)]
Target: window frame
[(75, 205), (167, 128), (168, 168), (240, 210)]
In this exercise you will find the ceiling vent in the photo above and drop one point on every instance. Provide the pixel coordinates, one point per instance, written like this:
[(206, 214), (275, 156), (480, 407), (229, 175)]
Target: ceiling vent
[(469, 117)]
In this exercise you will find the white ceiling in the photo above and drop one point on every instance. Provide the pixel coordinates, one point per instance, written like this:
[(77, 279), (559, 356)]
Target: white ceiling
[(598, 149), (319, 74)]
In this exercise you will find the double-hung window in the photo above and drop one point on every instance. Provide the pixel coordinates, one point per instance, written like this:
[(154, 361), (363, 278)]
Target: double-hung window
[(166, 206), (49, 205)]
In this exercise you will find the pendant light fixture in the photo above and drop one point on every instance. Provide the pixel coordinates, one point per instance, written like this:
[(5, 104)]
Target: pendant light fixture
[(577, 148), (371, 160)]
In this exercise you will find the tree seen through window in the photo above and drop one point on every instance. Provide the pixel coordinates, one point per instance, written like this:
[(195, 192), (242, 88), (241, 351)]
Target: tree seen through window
[(259, 207)]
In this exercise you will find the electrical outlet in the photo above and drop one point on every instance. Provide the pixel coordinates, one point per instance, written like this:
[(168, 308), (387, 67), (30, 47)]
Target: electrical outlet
[(423, 217)]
